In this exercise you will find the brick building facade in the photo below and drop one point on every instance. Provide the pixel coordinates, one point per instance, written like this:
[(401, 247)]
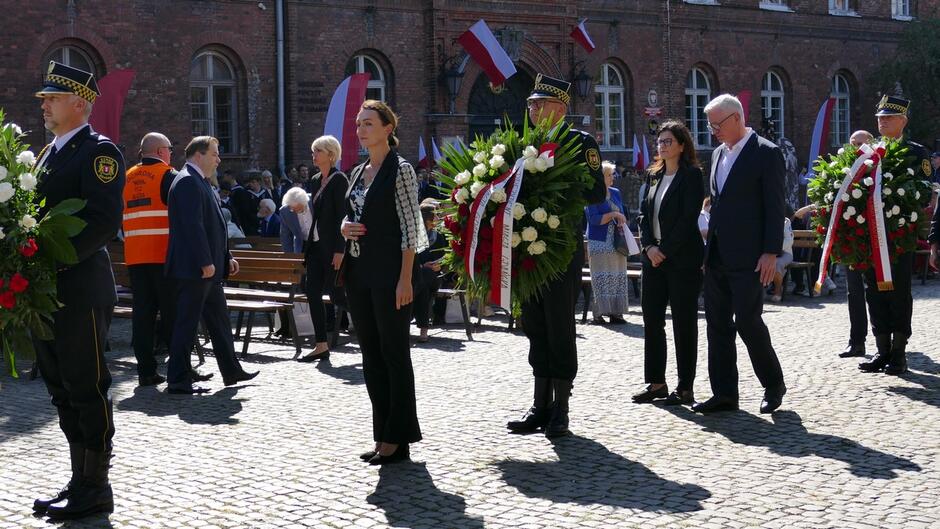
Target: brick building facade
[(210, 65)]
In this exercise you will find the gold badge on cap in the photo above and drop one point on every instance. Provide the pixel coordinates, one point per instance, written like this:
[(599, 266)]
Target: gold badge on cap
[(106, 168), (593, 157)]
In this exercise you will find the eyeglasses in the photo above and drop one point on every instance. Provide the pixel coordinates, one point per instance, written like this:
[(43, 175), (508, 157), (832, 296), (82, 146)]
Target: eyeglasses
[(713, 128), (536, 104), (664, 142)]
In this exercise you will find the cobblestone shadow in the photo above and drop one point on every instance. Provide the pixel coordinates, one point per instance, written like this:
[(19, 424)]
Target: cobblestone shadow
[(24, 406), (218, 407), (349, 374), (786, 436), (409, 498), (929, 392), (587, 473)]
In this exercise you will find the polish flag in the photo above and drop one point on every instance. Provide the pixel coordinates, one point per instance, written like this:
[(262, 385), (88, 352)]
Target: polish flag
[(341, 117), (580, 35), (820, 135), (638, 162), (422, 154), (483, 47), (744, 96), (434, 152)]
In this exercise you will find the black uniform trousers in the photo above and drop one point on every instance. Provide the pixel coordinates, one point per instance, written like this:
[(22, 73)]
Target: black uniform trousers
[(858, 317), (678, 288), (318, 280), (200, 299), (891, 310), (548, 323), (426, 287), (153, 292), (734, 301), (77, 377), (383, 333)]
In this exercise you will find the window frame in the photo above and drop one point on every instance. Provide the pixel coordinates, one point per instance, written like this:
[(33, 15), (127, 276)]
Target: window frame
[(849, 10), (767, 97), (776, 5), (380, 84), (896, 6), (210, 85), (838, 131), (697, 121), (604, 89)]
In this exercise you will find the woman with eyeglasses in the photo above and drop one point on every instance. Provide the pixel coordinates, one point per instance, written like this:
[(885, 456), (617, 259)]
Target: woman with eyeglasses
[(672, 262)]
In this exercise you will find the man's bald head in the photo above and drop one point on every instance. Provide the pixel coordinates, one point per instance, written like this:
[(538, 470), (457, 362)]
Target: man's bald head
[(860, 137), (156, 145)]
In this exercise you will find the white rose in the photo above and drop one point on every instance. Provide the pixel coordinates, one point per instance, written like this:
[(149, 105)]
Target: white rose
[(850, 210), (837, 184), (901, 221), (530, 152), (516, 239), (888, 214), (27, 222), (492, 221), (476, 188), (914, 217), (841, 150), (829, 197), (845, 197), (461, 195), (536, 248), (529, 234), (846, 215), (896, 210), (541, 164), (856, 193), (846, 170), (916, 195), (900, 191), (26, 158), (2, 235), (479, 157), (3, 172), (17, 131), (6, 191), (910, 171), (868, 181), (529, 164), (833, 164), (518, 211), (888, 176), (539, 215), (860, 219), (498, 196), (28, 181), (869, 163), (479, 170), (498, 149), (497, 161), (554, 222), (886, 191), (462, 178)]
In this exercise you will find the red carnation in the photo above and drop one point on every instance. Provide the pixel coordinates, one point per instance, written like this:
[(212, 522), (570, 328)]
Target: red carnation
[(463, 210), (852, 222), (820, 229), (29, 248), (528, 264), (898, 250), (18, 283), (859, 231), (7, 300), (457, 248)]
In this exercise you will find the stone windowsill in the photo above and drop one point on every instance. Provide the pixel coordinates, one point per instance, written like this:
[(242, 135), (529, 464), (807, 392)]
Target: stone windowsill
[(776, 7)]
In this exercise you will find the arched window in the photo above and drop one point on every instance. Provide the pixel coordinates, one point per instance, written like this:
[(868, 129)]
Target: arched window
[(840, 126), (609, 107), (377, 78), (772, 98), (73, 56), (698, 93), (212, 89)]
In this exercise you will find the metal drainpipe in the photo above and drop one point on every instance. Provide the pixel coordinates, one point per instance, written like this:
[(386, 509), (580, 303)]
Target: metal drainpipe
[(281, 132)]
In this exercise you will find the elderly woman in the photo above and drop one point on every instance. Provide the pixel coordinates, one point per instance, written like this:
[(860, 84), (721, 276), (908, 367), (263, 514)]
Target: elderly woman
[(608, 267), (323, 251)]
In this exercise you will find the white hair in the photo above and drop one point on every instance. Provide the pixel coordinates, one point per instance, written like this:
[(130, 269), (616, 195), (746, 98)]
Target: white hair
[(266, 203), (726, 102), (295, 196)]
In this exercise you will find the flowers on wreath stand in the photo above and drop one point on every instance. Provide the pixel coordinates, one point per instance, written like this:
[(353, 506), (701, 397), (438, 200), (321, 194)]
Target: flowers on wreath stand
[(32, 249), (515, 210), (869, 204)]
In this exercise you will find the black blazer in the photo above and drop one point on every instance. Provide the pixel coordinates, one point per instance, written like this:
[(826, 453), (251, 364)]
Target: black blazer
[(328, 211), (747, 215), (91, 168), (678, 217), (198, 234)]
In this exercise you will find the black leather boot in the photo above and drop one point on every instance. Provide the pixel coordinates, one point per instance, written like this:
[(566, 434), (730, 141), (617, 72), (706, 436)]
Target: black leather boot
[(77, 456), (93, 493), (853, 349), (881, 358), (558, 424), (541, 410), (897, 364)]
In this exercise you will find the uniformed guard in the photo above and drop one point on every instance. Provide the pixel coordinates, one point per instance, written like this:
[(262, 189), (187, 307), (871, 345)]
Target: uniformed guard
[(82, 164), (890, 311), (548, 318)]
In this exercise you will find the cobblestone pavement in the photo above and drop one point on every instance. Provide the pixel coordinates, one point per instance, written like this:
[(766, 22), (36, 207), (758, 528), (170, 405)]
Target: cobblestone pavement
[(847, 450)]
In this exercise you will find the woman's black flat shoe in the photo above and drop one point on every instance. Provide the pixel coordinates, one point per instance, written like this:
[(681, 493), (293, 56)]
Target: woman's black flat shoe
[(314, 357), (679, 397), (366, 456), (402, 453), (617, 320), (649, 395)]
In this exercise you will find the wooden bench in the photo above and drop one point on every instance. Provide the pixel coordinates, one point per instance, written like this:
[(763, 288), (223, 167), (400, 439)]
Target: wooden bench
[(265, 277), (805, 239), (461, 295)]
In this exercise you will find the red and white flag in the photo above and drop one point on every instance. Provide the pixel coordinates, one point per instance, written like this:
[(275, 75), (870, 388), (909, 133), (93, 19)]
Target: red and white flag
[(580, 35), (646, 153), (106, 114), (436, 154), (483, 47), (820, 134), (341, 117), (638, 162), (422, 154)]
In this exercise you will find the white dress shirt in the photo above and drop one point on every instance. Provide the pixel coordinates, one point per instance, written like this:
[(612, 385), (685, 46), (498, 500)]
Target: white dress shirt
[(658, 201), (305, 219), (729, 155), (60, 141)]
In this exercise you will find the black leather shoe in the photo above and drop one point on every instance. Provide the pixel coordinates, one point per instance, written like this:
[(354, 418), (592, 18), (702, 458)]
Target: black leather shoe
[(196, 376), (541, 411), (186, 390), (617, 320), (897, 361), (366, 456), (240, 377), (649, 395), (402, 453), (716, 404), (558, 422), (599, 320), (773, 398), (882, 357), (314, 357), (679, 397), (92, 494), (852, 350), (152, 380), (77, 457)]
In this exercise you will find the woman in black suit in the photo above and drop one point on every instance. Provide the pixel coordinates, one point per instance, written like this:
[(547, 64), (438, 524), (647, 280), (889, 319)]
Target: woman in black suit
[(672, 262), (323, 249), (384, 228)]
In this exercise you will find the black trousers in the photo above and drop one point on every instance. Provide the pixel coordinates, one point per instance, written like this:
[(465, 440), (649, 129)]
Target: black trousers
[(318, 281), (548, 323), (77, 377), (679, 288), (383, 334), (153, 292), (734, 301), (200, 299), (426, 288), (858, 317), (891, 310)]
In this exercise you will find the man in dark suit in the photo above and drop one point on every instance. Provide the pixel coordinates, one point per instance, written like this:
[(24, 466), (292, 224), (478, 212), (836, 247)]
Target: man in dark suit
[(81, 164), (198, 259), (269, 223), (745, 235)]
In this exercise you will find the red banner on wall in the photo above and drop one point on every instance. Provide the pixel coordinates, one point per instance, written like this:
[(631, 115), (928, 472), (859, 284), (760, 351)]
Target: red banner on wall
[(106, 113)]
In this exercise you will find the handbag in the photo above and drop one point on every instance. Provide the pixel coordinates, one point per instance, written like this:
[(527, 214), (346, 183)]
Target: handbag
[(622, 244)]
